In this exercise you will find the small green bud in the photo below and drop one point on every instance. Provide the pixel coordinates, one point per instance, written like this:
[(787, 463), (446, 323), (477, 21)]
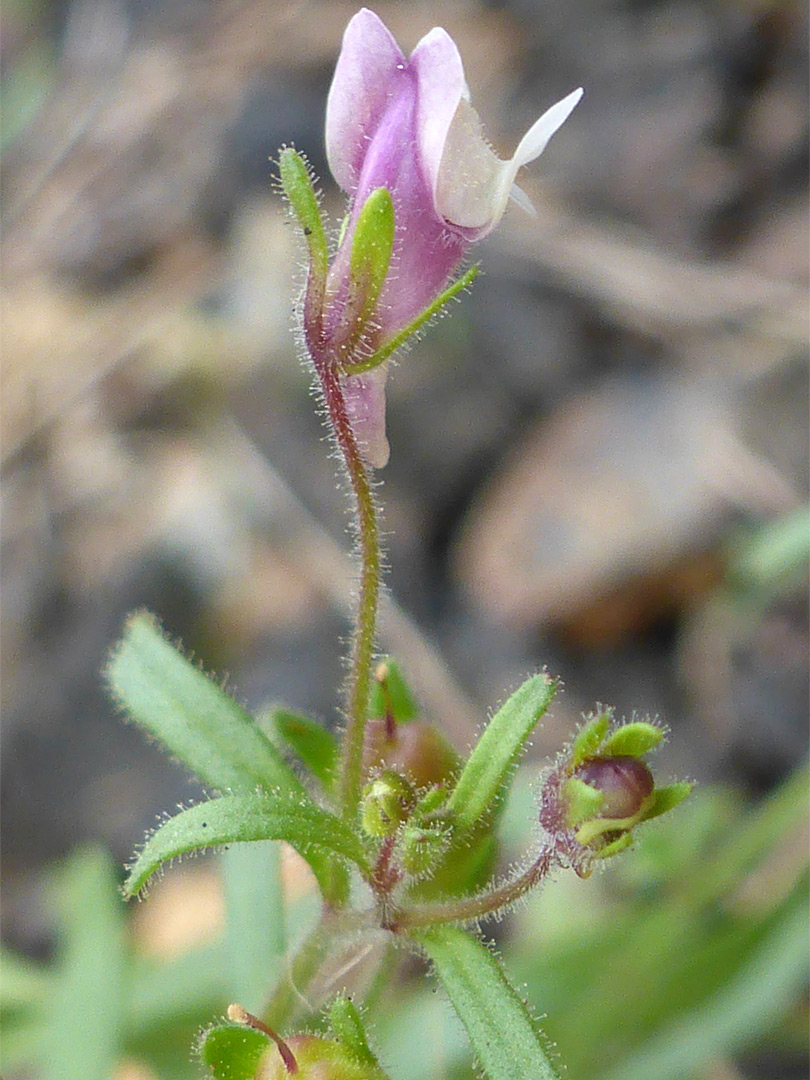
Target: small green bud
[(421, 847), (632, 740), (269, 1057), (318, 1059), (387, 801)]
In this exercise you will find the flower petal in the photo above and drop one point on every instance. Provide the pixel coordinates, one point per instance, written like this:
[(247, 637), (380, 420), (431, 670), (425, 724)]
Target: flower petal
[(474, 185), (361, 88), (365, 403), (472, 190), (536, 139), (439, 72)]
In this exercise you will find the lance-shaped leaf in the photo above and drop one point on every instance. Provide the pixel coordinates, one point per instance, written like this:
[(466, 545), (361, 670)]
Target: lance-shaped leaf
[(503, 1033), (498, 749), (238, 818), (163, 692)]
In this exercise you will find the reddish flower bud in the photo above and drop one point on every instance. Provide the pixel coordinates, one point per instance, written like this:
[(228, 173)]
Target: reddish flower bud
[(624, 782)]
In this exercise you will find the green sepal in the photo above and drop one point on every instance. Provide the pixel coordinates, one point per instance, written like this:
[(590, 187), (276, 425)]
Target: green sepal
[(632, 740), (241, 818), (344, 1019), (372, 246), (621, 843), (315, 747), (589, 737), (496, 752), (666, 798), (390, 693), (296, 182), (592, 829), (396, 342), (431, 801), (232, 1051), (582, 801)]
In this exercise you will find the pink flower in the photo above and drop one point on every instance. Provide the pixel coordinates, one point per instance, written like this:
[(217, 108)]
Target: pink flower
[(407, 125)]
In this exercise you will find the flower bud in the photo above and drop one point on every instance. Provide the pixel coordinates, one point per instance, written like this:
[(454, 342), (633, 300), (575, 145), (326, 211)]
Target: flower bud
[(591, 801), (416, 750), (625, 783), (317, 1059), (387, 801), (421, 846)]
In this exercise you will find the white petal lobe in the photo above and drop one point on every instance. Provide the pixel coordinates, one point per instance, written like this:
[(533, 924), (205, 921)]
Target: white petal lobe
[(537, 137)]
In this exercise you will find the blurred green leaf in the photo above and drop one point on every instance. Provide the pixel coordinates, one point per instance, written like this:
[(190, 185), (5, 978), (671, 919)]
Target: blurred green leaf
[(744, 1006), (86, 1004), (672, 948), (774, 556), (23, 982), (255, 921), (232, 1052), (502, 1031), (496, 752), (165, 693), (240, 818), (316, 747)]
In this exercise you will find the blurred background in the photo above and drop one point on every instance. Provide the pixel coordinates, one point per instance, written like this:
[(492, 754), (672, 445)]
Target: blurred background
[(599, 463)]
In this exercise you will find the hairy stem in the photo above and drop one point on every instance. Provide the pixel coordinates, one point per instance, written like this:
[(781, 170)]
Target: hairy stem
[(362, 650), (474, 907)]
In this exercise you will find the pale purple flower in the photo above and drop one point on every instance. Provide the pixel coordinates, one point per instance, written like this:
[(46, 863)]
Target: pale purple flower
[(407, 125)]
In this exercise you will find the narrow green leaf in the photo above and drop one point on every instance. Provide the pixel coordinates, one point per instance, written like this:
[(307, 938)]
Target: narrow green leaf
[(239, 818), (254, 920), (232, 1052), (502, 1031), (192, 715), (315, 746), (498, 749), (86, 1004), (396, 342), (390, 692)]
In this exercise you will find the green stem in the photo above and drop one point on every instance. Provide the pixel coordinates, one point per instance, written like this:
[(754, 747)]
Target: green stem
[(362, 651), (474, 907)]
